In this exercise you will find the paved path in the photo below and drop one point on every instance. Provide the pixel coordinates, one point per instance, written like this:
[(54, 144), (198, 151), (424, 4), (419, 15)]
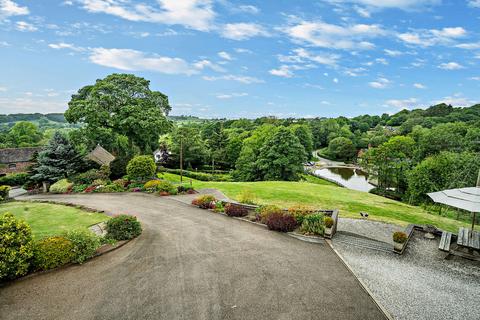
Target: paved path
[(192, 264)]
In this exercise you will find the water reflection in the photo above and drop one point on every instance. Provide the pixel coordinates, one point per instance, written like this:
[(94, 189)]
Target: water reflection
[(348, 177)]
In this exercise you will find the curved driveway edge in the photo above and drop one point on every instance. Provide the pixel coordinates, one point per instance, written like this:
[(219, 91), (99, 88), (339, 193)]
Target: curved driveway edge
[(192, 264)]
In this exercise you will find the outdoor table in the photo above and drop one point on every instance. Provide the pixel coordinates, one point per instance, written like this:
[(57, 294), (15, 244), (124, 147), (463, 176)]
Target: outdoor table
[(468, 238)]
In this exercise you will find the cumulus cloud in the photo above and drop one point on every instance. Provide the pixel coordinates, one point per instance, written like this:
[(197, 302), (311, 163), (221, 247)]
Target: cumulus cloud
[(283, 71), (207, 64), (242, 31), (194, 14), (392, 53), (380, 83), (401, 103), (224, 55), (248, 9), (389, 4), (426, 38), (25, 26), (326, 35), (231, 95), (450, 66), (457, 100), (474, 3), (63, 45), (9, 8), (133, 60), (419, 86)]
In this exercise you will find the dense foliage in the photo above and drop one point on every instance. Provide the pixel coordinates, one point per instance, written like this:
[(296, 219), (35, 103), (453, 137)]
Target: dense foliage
[(123, 227), (16, 247), (235, 210), (313, 224), (84, 242), (141, 168), (282, 222), (52, 252)]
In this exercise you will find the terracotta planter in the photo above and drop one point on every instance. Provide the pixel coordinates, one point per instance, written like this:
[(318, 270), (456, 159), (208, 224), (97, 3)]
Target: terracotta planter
[(398, 246)]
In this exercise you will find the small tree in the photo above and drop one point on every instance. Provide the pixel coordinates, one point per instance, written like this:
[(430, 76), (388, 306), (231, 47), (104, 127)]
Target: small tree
[(342, 148), (141, 168), (57, 161)]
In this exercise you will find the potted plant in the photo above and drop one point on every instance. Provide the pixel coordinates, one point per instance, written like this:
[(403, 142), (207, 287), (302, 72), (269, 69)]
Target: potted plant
[(399, 238), (328, 221)]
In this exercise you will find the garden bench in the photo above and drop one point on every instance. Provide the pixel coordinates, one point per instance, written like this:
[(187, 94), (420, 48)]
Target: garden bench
[(445, 241)]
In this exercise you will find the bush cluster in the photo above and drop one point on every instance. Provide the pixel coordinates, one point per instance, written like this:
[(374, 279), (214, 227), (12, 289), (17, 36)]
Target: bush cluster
[(4, 191), (313, 224), (299, 212), (201, 175), (400, 237), (84, 242), (235, 210), (328, 222), (247, 197), (16, 247), (263, 212), (89, 176), (123, 227), (61, 186), (52, 252), (141, 168), (204, 201), (283, 222), (14, 179)]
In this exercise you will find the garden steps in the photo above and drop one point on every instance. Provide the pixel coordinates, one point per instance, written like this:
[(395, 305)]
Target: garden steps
[(361, 241)]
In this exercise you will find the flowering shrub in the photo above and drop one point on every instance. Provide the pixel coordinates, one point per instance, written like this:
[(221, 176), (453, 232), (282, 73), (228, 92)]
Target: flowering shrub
[(90, 189), (313, 224), (84, 242), (279, 221), (205, 201), (151, 184), (264, 211), (235, 210), (89, 176), (123, 227), (165, 186), (109, 188), (61, 186), (80, 188), (52, 252), (121, 182), (16, 246), (299, 212), (4, 190), (400, 237)]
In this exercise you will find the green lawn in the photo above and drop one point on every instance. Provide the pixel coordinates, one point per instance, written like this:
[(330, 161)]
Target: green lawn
[(328, 196), (51, 219)]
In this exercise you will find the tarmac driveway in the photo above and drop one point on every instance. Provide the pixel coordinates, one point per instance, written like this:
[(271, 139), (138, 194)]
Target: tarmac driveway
[(192, 264)]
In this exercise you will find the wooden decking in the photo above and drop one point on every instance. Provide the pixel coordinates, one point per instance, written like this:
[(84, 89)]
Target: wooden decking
[(445, 241)]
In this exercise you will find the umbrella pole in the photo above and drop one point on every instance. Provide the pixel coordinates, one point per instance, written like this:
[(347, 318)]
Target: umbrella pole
[(473, 221)]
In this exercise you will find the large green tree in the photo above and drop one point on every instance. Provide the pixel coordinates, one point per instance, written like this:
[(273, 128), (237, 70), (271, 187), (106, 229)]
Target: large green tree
[(342, 148), (124, 105), (24, 134), (304, 135), (282, 157)]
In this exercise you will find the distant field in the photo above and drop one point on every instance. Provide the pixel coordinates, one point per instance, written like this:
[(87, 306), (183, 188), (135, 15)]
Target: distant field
[(51, 219), (328, 196)]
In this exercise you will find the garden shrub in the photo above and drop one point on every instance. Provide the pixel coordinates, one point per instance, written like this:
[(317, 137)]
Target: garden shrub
[(90, 189), (89, 176), (109, 188), (4, 190), (219, 207), (400, 237), (120, 182), (61, 186), (141, 168), (84, 242), (118, 167), (182, 189), (99, 182), (280, 221), (313, 224), (79, 187), (205, 201), (328, 222), (235, 210), (16, 247), (299, 212), (14, 179), (264, 211), (52, 252), (166, 186), (123, 227), (151, 184), (247, 197), (201, 175)]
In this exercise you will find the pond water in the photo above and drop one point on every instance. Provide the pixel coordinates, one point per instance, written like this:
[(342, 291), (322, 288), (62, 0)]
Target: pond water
[(348, 177)]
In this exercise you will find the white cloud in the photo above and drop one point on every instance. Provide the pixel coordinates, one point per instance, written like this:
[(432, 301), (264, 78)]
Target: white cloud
[(469, 46), (450, 66), (242, 31), (231, 95), (474, 78), (419, 86), (25, 26), (3, 89), (392, 53), (31, 105), (389, 4), (333, 36), (283, 71), (303, 56), (194, 14), (380, 83), (4, 44), (231, 77), (203, 64), (9, 8), (474, 3), (248, 9), (457, 100), (335, 80), (426, 38), (225, 55), (401, 103), (362, 11), (63, 45), (133, 60)]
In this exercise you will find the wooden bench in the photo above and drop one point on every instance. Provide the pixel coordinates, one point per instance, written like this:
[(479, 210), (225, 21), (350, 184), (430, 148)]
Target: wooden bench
[(445, 241), (468, 238)]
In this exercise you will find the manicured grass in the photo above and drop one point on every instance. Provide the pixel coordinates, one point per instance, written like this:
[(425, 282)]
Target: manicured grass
[(324, 196), (51, 219)]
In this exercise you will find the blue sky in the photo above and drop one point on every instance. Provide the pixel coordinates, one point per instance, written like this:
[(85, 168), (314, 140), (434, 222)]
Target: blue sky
[(230, 58)]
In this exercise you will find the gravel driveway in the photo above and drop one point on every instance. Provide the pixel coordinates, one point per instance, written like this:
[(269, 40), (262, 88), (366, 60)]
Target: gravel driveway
[(192, 264)]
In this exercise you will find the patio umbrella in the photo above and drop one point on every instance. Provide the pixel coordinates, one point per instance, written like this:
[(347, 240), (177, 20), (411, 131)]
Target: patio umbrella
[(463, 198)]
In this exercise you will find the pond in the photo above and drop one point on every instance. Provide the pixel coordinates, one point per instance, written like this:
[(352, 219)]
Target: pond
[(348, 177)]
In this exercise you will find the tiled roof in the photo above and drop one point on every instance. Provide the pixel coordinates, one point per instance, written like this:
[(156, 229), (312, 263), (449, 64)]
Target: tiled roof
[(100, 156), (14, 155)]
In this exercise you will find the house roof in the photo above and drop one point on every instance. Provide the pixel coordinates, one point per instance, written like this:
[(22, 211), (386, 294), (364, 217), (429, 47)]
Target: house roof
[(100, 156), (14, 155)]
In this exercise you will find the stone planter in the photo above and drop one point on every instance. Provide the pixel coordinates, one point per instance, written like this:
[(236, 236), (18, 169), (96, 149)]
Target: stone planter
[(328, 232), (397, 246)]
